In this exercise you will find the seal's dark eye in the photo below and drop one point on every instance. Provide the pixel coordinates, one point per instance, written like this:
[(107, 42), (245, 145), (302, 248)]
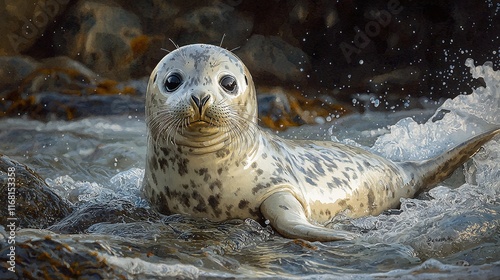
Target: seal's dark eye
[(229, 84), (173, 82)]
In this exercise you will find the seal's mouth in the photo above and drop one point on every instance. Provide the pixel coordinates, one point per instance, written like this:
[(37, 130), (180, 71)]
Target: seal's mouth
[(200, 123)]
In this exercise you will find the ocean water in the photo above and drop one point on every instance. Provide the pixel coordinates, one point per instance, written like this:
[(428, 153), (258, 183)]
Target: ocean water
[(453, 231)]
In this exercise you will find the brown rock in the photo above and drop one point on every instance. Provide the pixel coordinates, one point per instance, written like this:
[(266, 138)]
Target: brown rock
[(104, 36)]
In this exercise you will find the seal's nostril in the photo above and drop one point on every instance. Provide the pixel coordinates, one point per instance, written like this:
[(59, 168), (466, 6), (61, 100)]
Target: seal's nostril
[(196, 101), (204, 100)]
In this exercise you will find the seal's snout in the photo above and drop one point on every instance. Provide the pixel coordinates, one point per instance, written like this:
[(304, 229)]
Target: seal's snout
[(199, 101)]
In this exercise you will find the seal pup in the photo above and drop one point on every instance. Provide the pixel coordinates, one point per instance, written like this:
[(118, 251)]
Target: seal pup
[(207, 157)]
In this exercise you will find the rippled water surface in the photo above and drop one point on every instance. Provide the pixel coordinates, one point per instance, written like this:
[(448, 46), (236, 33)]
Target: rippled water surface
[(451, 231)]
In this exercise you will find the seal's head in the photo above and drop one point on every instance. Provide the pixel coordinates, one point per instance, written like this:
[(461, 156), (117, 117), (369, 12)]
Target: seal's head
[(200, 96)]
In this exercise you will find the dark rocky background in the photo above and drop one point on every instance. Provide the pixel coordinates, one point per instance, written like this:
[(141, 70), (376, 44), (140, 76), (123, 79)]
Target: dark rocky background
[(69, 59)]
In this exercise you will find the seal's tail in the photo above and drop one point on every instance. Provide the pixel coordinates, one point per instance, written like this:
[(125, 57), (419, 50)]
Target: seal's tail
[(426, 174)]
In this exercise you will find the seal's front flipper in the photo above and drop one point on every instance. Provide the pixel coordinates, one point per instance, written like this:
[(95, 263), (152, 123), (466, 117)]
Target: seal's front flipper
[(287, 217)]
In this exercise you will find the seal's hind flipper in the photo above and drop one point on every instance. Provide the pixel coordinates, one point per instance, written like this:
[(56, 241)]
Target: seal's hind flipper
[(430, 172), (287, 217)]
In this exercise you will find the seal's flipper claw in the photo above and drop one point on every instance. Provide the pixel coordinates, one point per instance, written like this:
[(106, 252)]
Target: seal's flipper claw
[(287, 217)]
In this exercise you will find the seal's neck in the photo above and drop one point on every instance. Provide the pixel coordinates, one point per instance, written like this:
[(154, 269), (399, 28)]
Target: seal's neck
[(201, 140), (211, 142)]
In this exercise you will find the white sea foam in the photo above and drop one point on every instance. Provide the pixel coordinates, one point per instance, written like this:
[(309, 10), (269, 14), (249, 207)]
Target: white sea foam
[(125, 185), (136, 266), (464, 117)]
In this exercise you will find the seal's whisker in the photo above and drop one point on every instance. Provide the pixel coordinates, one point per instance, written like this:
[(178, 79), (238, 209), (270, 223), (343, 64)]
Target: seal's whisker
[(236, 128), (185, 124), (169, 136), (222, 40), (172, 41), (244, 117), (164, 125), (239, 128), (163, 130), (233, 49), (179, 126), (228, 129), (156, 124), (171, 131)]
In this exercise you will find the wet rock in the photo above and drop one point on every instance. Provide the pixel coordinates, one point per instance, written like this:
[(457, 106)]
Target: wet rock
[(47, 258), (136, 250), (26, 199), (118, 211), (104, 36), (24, 22), (272, 59)]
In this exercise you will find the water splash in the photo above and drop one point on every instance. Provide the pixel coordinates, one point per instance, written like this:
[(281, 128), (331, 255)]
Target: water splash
[(455, 121), (452, 218)]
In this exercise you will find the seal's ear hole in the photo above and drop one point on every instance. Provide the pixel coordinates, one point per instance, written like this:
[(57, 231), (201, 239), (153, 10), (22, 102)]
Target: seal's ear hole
[(154, 79), (246, 80), (228, 83), (173, 82)]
